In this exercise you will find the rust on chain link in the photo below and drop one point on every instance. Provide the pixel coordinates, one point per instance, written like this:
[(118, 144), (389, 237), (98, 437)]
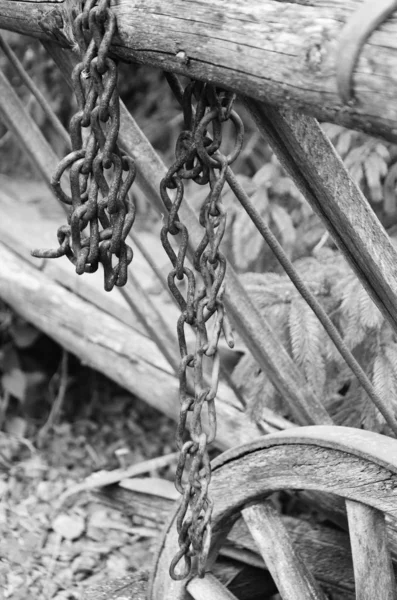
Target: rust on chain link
[(198, 158), (101, 212)]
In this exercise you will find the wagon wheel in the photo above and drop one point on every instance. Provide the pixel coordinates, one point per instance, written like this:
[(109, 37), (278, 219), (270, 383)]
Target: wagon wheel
[(359, 466)]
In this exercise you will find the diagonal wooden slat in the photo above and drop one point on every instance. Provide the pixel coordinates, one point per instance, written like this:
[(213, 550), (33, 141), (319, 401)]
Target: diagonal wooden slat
[(208, 588), (293, 579), (373, 571)]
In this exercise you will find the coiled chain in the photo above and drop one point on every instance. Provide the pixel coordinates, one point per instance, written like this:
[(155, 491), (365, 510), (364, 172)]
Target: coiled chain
[(100, 173), (198, 158)]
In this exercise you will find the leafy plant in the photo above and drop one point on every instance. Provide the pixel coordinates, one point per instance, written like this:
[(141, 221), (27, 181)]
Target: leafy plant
[(360, 323)]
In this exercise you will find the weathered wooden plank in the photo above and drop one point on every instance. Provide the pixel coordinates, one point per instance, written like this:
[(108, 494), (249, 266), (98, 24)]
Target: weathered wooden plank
[(293, 579), (373, 571), (107, 344), (30, 218), (355, 464), (283, 53)]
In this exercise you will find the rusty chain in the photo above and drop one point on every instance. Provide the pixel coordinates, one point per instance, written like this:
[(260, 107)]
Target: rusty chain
[(198, 158), (100, 174)]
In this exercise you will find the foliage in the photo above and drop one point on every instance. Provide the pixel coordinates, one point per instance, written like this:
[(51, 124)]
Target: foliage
[(360, 323)]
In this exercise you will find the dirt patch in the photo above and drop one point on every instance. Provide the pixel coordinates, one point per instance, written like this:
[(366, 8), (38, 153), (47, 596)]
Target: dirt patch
[(57, 554)]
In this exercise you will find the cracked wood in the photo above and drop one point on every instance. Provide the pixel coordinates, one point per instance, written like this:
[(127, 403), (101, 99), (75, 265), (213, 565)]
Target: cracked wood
[(281, 52)]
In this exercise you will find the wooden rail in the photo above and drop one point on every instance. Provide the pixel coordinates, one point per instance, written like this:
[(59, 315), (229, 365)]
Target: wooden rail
[(281, 52)]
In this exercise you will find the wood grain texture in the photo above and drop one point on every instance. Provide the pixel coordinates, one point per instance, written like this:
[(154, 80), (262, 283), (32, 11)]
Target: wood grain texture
[(357, 465), (293, 579), (373, 571), (284, 53), (106, 344)]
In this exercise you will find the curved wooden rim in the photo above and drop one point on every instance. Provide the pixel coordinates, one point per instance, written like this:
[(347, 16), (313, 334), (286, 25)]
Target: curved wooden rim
[(368, 445), (356, 464)]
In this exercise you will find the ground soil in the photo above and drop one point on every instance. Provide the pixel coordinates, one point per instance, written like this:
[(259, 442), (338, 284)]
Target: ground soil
[(47, 552)]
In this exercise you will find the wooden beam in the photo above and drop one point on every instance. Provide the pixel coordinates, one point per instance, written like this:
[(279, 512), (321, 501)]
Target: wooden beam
[(108, 345), (293, 578), (373, 570), (284, 53)]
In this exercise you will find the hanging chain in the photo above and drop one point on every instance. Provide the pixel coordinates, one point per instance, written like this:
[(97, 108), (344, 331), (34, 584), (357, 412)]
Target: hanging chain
[(198, 158), (100, 173)]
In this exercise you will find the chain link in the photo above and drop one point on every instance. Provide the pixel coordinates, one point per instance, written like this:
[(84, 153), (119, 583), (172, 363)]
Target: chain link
[(100, 174), (199, 159)]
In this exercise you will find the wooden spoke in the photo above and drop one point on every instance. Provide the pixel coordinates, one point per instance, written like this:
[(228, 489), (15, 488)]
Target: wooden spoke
[(354, 464), (373, 571), (293, 579), (325, 551), (209, 587)]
